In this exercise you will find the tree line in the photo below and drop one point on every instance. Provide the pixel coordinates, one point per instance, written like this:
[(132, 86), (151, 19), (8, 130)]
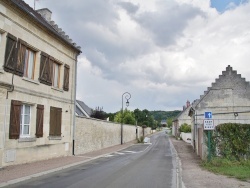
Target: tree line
[(137, 117)]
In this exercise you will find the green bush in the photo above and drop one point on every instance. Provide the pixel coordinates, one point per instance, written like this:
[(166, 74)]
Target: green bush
[(185, 128), (232, 141)]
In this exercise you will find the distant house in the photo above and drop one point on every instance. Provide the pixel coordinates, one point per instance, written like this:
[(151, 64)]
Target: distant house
[(229, 101), (180, 119), (163, 123), (82, 109), (37, 85)]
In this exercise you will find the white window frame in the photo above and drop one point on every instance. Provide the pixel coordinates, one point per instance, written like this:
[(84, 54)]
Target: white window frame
[(29, 66), (22, 124)]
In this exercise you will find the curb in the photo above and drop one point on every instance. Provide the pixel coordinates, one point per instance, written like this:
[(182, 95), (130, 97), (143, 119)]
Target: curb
[(179, 182), (10, 182)]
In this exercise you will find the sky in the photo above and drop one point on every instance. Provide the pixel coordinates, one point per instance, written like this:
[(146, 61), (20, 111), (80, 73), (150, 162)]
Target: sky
[(163, 52)]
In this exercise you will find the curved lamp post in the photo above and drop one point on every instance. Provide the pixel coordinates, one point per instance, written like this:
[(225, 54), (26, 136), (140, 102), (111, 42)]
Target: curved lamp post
[(127, 97)]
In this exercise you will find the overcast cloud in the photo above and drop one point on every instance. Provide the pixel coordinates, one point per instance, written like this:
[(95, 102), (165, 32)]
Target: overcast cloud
[(164, 52)]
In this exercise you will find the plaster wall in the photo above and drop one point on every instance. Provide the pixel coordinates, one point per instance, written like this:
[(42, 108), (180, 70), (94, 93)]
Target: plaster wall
[(93, 134)]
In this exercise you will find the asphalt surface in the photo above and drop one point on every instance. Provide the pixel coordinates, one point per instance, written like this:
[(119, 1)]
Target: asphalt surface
[(138, 166), (186, 174)]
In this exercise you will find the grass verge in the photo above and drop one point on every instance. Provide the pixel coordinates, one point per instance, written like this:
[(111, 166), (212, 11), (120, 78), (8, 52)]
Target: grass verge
[(236, 169)]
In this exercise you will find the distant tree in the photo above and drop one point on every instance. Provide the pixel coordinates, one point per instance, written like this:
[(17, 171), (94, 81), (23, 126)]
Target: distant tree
[(127, 117), (98, 113), (169, 122)]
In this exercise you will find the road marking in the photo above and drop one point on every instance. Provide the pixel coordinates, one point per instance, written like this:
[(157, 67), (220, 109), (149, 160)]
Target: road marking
[(118, 153), (130, 151), (108, 155)]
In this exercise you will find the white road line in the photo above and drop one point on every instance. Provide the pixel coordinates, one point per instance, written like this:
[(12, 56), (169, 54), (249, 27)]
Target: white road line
[(118, 153)]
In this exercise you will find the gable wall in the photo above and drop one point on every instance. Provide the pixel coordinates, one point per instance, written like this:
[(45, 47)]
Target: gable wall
[(229, 94)]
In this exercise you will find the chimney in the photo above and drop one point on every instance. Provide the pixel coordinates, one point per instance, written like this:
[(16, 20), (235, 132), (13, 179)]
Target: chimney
[(188, 103), (45, 13)]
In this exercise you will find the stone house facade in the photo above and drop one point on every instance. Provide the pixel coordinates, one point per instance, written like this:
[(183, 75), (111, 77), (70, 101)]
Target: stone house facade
[(180, 119), (229, 101), (37, 85)]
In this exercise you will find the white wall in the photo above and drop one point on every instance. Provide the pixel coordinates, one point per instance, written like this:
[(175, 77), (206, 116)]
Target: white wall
[(93, 134)]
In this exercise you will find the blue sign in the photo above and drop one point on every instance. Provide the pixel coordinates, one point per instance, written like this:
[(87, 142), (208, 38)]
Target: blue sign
[(208, 115)]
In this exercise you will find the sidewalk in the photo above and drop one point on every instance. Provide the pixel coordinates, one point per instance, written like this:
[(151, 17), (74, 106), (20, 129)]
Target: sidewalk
[(193, 176), (17, 173)]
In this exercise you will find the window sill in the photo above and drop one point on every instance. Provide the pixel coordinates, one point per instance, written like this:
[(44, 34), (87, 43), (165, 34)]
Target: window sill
[(30, 80), (57, 89), (27, 139), (54, 137)]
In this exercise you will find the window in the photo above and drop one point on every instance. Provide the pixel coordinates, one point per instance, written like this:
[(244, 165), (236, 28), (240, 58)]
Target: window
[(56, 74), (29, 62), (19, 58), (25, 120), (55, 121), (20, 120)]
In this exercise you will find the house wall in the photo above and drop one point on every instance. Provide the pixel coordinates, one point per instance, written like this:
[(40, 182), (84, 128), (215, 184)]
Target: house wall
[(94, 134), (229, 94), (33, 92)]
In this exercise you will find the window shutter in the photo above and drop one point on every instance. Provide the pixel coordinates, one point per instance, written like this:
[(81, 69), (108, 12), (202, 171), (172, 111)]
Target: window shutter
[(58, 121), (10, 60), (52, 127), (46, 68), (15, 115), (39, 120), (21, 46), (66, 78), (55, 121)]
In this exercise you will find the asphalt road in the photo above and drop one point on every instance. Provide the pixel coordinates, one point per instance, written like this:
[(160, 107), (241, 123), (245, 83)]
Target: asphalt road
[(139, 166)]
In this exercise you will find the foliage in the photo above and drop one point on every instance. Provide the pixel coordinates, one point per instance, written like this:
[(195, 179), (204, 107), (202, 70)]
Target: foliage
[(169, 122), (98, 113), (111, 116), (127, 117), (160, 115), (145, 117), (232, 141), (185, 128), (233, 168)]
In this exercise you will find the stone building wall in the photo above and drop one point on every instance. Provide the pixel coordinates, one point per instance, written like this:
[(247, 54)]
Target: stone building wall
[(20, 24), (229, 101)]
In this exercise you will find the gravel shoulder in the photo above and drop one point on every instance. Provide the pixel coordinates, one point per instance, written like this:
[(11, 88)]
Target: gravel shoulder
[(193, 176)]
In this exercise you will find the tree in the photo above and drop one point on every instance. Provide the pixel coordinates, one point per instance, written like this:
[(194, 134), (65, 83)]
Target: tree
[(128, 117), (98, 113), (169, 122)]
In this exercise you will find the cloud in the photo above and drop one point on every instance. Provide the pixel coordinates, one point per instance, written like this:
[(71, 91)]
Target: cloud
[(163, 52)]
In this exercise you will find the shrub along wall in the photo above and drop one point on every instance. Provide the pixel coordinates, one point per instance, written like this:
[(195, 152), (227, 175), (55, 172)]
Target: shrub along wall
[(94, 134), (232, 141)]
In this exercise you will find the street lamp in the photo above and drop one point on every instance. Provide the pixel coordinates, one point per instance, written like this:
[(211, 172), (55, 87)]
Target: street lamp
[(127, 96)]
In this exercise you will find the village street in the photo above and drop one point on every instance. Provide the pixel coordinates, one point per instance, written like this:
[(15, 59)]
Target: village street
[(140, 165)]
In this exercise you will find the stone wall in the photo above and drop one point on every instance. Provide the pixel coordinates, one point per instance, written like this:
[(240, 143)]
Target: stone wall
[(93, 134)]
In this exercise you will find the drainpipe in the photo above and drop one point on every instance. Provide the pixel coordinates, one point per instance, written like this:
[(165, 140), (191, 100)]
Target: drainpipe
[(74, 111)]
